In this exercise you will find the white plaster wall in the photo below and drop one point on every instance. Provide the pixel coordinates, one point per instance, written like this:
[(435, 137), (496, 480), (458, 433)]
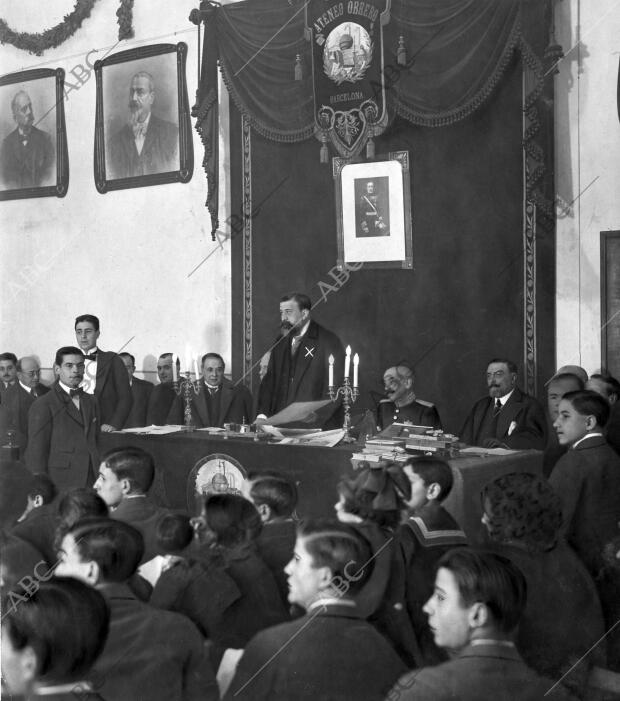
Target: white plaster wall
[(125, 256), (587, 169)]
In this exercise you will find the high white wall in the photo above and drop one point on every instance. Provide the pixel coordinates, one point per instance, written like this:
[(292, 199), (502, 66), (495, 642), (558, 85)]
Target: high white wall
[(125, 256), (587, 169)]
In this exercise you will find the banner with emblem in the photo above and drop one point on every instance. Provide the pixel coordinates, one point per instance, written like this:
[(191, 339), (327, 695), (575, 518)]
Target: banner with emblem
[(347, 72)]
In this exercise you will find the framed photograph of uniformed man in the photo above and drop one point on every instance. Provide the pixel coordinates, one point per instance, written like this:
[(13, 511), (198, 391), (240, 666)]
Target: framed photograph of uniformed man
[(34, 160), (142, 127), (373, 206)]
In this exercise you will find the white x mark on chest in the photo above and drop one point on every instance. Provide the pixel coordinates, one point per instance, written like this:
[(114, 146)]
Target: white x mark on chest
[(309, 352)]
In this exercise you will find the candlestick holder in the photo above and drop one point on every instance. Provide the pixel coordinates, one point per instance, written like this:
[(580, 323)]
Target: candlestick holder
[(349, 396), (185, 386)]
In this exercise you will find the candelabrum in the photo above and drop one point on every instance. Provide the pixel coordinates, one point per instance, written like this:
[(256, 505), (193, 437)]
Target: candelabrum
[(349, 396), (186, 387)]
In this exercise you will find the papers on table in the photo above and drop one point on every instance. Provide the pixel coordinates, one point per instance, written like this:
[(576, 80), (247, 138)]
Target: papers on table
[(305, 413), (152, 430), (474, 450)]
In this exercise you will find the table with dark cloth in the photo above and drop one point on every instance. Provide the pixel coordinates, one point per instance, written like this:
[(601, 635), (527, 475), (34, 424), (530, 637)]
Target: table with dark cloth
[(316, 470)]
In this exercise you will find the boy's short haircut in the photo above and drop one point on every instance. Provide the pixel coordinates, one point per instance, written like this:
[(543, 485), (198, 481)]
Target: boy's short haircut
[(432, 470), (589, 403), (133, 464), (342, 549), (174, 533), (115, 546), (490, 579), (276, 491), (42, 486)]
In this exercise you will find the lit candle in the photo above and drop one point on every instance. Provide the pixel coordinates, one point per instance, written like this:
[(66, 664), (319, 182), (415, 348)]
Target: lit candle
[(188, 358), (347, 361), (174, 367), (356, 362), (331, 370), (196, 368)]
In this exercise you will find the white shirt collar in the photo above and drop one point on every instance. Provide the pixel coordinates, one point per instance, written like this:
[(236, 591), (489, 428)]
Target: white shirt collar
[(505, 398), (65, 388), (28, 389), (585, 438), (303, 329)]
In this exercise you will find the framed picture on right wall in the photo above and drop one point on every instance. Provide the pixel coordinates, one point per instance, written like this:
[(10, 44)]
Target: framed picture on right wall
[(610, 302)]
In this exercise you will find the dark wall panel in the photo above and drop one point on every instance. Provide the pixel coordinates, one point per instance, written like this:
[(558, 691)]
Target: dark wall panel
[(463, 301)]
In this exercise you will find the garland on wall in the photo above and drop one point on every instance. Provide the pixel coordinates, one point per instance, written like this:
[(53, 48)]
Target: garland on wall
[(37, 43)]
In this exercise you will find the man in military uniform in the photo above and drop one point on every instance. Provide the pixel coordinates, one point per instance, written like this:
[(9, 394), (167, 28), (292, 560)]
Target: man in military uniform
[(371, 213), (401, 403)]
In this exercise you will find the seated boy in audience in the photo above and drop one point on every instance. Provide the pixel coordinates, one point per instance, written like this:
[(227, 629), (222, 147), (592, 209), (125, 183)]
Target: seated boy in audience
[(587, 480), (428, 532), (331, 652), (149, 654), (50, 640), (125, 476), (275, 498), (473, 612), (38, 522), (187, 585)]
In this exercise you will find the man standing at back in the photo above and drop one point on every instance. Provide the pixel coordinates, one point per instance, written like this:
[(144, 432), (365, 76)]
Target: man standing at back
[(507, 418), (140, 391), (298, 367), (104, 375)]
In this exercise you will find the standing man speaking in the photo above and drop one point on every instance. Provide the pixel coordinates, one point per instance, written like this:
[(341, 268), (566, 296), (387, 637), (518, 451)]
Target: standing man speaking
[(298, 367)]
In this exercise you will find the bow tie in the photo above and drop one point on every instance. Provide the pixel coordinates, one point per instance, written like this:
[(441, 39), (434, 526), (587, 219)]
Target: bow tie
[(76, 392), (92, 356), (139, 129)]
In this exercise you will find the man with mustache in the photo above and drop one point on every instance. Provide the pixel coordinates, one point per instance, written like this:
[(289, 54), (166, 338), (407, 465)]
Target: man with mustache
[(299, 362), (146, 144), (401, 404), (507, 418), (27, 154)]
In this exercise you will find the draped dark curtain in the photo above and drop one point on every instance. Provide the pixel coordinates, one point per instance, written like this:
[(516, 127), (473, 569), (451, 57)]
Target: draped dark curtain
[(456, 54)]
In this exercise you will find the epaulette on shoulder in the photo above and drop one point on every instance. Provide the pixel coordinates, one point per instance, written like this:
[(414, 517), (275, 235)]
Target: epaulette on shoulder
[(385, 401), (430, 405)]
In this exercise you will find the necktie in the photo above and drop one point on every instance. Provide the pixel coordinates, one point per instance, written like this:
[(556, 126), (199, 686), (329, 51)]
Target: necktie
[(76, 392), (497, 408), (139, 130), (295, 344), (93, 356)]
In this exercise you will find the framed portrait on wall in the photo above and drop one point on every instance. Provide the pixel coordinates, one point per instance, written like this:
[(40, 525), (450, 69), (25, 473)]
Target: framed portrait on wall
[(142, 124), (34, 160), (373, 210)]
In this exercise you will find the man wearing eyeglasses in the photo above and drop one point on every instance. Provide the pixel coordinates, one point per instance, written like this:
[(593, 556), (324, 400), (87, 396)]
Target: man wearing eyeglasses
[(28, 372)]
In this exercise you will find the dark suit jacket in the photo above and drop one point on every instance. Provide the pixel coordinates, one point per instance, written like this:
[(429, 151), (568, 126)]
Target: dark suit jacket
[(141, 392), (30, 165), (587, 480), (525, 411), (112, 389), (330, 653), (235, 405), (310, 378), (150, 654), (62, 440), (480, 673), (159, 405), (39, 390), (419, 413), (141, 513), (276, 543), (159, 151), (16, 402), (39, 529)]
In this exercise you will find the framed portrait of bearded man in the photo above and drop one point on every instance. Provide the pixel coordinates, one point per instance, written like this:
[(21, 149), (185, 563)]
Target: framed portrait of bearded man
[(142, 124)]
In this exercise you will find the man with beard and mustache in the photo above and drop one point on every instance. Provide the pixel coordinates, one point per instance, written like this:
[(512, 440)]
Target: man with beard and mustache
[(299, 362), (401, 403), (507, 418), (27, 154), (147, 144)]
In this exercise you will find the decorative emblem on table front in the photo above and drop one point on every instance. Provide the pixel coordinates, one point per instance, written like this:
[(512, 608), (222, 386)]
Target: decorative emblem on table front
[(217, 473)]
